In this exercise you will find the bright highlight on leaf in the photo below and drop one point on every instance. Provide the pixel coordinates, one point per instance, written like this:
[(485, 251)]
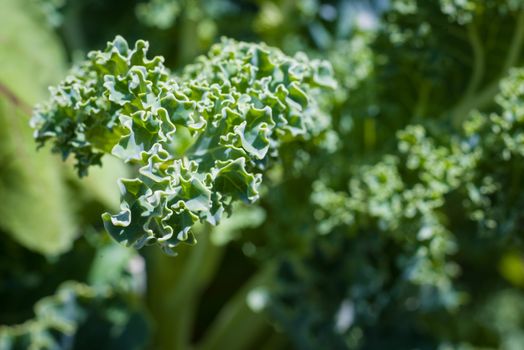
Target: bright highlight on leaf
[(239, 105)]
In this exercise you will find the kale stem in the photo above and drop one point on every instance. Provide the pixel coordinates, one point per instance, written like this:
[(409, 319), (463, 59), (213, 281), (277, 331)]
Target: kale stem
[(483, 98), (175, 286), (237, 327), (516, 45), (479, 60)]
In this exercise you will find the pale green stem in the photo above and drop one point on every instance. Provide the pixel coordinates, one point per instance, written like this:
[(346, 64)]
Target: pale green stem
[(422, 103), (516, 44), (236, 327), (175, 285), (479, 60), (189, 41), (483, 98)]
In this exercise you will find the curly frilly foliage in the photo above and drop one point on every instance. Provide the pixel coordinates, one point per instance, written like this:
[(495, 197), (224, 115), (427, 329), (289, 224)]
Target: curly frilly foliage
[(59, 319), (200, 140), (404, 197), (433, 198), (464, 11)]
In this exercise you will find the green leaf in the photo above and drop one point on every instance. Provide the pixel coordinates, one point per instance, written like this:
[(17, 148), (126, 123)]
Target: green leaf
[(31, 57), (34, 207)]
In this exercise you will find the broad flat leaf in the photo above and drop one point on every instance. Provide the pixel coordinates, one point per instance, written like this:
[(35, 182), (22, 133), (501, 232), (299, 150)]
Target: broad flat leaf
[(33, 205), (31, 57)]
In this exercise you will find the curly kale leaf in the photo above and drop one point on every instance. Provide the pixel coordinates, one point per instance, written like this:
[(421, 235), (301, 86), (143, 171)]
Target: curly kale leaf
[(433, 191), (200, 140), (63, 320)]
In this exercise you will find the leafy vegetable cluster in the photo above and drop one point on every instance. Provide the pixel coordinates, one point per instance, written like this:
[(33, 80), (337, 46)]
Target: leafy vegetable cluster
[(390, 211), (235, 108)]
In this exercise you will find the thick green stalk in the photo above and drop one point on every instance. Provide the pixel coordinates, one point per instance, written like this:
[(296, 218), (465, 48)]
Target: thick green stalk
[(479, 60), (484, 97), (236, 327), (174, 288)]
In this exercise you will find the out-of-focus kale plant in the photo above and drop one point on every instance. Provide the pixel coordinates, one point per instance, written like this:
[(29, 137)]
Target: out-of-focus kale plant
[(348, 174)]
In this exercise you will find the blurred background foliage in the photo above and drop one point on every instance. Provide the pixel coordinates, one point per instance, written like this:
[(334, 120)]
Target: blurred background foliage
[(405, 234)]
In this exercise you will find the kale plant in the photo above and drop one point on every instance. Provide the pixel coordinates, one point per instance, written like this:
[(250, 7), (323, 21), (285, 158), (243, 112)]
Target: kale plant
[(354, 183), (199, 140)]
